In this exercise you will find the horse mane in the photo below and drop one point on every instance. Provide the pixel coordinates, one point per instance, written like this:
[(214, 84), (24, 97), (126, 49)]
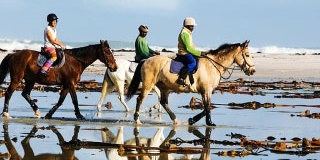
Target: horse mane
[(81, 50), (224, 48)]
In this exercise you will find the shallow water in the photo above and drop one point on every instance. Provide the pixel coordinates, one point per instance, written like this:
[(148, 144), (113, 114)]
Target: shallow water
[(255, 124)]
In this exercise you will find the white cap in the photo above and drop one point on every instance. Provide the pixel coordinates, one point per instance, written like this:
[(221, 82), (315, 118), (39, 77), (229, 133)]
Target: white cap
[(189, 21)]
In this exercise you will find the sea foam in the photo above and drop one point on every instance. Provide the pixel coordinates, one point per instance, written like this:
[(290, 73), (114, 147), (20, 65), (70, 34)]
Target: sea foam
[(10, 45)]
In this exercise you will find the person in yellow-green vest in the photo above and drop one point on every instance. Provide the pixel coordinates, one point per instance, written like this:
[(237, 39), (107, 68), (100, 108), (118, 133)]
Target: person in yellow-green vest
[(142, 49), (186, 50)]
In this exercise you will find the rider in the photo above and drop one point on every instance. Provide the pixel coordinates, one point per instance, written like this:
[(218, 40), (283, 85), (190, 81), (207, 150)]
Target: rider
[(186, 50), (142, 49), (51, 41)]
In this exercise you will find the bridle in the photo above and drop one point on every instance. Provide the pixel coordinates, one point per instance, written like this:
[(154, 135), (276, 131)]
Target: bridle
[(106, 50), (242, 66)]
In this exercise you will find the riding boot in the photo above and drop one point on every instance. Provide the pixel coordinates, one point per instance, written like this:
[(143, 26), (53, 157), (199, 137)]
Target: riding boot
[(182, 76), (43, 73)]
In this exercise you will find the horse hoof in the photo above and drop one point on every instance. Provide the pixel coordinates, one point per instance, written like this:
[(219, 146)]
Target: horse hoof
[(80, 117), (138, 122), (6, 115), (191, 121), (48, 116), (175, 122), (37, 113), (210, 124)]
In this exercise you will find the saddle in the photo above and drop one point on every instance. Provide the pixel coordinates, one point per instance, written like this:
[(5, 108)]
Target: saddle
[(133, 66), (44, 56), (176, 65)]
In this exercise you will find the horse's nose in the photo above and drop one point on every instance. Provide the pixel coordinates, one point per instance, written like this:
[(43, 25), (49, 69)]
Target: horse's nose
[(113, 69), (253, 71)]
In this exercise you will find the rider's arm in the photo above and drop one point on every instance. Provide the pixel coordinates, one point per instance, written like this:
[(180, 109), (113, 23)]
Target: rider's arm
[(54, 41), (186, 39)]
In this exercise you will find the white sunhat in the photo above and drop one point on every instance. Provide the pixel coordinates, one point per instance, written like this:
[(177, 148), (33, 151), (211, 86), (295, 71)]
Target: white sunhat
[(189, 21)]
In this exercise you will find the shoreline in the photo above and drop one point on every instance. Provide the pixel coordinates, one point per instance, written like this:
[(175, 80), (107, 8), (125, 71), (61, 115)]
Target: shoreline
[(268, 66)]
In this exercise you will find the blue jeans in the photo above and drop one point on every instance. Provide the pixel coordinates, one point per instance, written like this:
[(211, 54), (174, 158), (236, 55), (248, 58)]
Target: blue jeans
[(188, 60)]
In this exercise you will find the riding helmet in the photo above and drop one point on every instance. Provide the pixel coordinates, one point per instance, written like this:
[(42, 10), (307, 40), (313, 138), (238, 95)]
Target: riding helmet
[(51, 17)]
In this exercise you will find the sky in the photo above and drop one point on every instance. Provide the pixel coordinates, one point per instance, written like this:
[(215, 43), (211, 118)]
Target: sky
[(283, 23)]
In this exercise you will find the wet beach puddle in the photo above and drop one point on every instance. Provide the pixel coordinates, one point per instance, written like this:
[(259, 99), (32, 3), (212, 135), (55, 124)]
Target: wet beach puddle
[(254, 121)]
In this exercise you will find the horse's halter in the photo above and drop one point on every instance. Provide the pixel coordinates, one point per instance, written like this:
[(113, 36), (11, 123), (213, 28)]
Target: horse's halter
[(242, 67), (245, 62)]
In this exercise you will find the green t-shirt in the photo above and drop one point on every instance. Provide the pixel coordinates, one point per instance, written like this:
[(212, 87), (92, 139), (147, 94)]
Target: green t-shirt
[(142, 48)]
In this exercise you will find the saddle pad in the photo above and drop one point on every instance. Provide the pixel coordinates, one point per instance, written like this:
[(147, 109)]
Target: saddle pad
[(175, 66), (43, 59), (133, 66)]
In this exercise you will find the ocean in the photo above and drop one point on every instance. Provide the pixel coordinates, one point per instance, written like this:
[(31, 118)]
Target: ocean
[(10, 45)]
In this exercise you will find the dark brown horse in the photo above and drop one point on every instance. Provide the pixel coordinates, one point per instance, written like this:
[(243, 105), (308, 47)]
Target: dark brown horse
[(23, 65)]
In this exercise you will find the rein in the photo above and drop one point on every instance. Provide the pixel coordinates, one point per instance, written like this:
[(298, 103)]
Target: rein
[(224, 68)]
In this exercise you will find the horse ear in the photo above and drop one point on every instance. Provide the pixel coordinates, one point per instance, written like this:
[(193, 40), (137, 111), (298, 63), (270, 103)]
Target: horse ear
[(246, 43), (101, 41)]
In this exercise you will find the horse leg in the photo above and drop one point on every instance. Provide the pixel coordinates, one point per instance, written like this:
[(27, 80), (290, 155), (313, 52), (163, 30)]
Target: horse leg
[(74, 98), (106, 89), (63, 95), (140, 99), (164, 103), (26, 94), (120, 86), (158, 105), (206, 98), (12, 87), (197, 117)]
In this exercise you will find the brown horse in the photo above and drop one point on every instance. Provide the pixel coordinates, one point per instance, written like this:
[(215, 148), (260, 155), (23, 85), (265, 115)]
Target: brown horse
[(23, 65), (155, 72)]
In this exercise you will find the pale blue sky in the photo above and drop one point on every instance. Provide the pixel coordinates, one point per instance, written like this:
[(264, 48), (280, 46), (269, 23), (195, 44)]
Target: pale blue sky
[(284, 23)]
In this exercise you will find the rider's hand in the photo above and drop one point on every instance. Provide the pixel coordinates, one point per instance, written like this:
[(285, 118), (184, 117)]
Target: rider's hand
[(203, 53)]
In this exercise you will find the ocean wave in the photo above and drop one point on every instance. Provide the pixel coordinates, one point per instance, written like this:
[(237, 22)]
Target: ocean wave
[(11, 45)]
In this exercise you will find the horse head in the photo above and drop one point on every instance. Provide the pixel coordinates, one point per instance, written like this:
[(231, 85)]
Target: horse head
[(107, 57), (244, 59)]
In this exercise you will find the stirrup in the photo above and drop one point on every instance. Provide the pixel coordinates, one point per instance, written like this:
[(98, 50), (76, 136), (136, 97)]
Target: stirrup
[(43, 73), (181, 82)]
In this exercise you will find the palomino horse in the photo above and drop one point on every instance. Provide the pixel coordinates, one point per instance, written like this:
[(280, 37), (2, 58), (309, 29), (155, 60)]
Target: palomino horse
[(117, 79), (23, 65), (156, 71)]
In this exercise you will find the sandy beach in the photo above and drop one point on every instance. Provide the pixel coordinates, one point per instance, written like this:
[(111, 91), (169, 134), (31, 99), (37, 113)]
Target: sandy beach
[(268, 66)]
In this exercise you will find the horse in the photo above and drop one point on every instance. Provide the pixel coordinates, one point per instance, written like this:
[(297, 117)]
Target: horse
[(117, 79), (23, 65), (155, 72)]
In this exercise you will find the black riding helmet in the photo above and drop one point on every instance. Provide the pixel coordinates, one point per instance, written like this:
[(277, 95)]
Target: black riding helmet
[(51, 17)]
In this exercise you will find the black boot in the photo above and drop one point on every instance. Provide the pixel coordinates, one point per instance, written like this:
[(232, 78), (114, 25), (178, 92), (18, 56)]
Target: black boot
[(43, 73), (182, 76)]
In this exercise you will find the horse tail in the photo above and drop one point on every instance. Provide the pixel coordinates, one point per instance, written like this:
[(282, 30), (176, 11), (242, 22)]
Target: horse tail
[(134, 85), (4, 67)]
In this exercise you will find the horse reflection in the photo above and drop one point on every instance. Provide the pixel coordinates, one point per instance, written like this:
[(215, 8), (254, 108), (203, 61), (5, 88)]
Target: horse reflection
[(205, 154), (155, 141), (67, 153)]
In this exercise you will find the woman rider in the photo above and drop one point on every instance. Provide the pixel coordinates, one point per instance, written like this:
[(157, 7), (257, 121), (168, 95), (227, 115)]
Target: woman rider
[(51, 41)]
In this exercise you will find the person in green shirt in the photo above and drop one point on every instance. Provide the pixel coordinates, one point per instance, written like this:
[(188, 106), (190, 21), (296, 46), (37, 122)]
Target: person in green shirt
[(186, 50), (142, 49)]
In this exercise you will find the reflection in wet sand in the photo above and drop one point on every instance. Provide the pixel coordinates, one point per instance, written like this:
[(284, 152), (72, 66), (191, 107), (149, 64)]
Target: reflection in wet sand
[(67, 153)]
